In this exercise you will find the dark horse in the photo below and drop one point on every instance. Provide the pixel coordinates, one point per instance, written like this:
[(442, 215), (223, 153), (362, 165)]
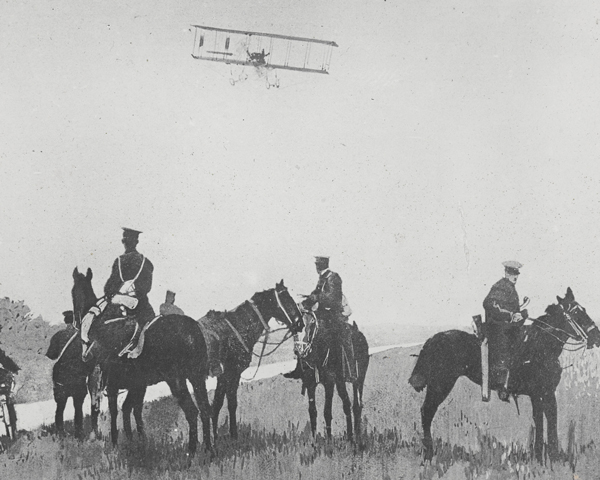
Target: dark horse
[(449, 355), (174, 352), (322, 363), (238, 332), (72, 377)]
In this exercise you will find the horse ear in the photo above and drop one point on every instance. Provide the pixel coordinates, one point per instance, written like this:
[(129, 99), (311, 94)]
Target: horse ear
[(88, 274), (281, 283), (75, 273), (569, 294), (560, 300)]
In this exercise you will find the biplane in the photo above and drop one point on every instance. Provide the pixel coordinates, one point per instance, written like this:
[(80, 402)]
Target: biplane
[(262, 50)]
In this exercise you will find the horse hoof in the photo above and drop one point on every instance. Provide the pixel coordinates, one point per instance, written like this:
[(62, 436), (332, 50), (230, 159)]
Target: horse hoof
[(211, 451)]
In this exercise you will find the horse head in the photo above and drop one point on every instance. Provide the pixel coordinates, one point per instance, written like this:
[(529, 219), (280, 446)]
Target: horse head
[(101, 339), (581, 325), (278, 303), (82, 294), (574, 320)]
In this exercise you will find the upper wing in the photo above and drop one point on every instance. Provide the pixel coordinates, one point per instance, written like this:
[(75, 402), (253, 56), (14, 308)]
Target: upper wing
[(253, 48)]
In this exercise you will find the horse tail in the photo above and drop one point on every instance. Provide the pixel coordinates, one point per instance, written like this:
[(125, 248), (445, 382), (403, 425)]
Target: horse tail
[(420, 376)]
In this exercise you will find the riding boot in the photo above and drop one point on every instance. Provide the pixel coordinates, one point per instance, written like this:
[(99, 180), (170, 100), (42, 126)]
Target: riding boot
[(133, 343), (349, 354), (138, 346), (297, 372), (501, 383)]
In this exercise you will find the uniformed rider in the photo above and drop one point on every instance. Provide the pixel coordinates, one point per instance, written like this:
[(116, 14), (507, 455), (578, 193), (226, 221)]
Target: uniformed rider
[(62, 337), (130, 282), (503, 318), (329, 296), (8, 369), (7, 363)]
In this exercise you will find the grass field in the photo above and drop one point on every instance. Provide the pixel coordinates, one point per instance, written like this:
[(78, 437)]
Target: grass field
[(474, 439)]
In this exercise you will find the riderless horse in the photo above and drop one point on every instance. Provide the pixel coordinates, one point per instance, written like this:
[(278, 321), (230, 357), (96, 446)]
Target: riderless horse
[(449, 355), (235, 334), (174, 352), (321, 355), (72, 377)]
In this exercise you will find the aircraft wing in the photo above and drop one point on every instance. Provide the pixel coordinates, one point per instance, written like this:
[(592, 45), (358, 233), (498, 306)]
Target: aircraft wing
[(262, 49)]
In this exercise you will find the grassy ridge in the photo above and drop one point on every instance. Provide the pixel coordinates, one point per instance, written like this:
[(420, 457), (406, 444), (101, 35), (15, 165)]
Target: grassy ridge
[(475, 440)]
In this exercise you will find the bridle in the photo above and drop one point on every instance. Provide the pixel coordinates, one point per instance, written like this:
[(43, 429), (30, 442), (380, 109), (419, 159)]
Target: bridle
[(303, 347), (292, 324), (290, 328), (577, 340)]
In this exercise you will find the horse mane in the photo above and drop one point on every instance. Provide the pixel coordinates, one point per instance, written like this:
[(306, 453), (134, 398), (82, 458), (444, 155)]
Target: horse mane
[(552, 309)]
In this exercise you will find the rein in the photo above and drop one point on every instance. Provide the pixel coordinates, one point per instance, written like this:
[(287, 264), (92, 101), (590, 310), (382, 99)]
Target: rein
[(302, 347), (580, 338), (268, 331)]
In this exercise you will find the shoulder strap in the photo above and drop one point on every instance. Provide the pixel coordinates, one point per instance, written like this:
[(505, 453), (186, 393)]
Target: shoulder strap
[(138, 274), (141, 268), (67, 346), (120, 271)]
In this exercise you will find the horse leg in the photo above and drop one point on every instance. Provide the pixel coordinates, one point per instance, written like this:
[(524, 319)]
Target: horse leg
[(199, 384), (138, 409), (114, 412), (61, 402), (179, 390), (12, 416), (551, 411), (435, 395), (78, 407), (347, 406), (93, 386), (218, 402), (538, 420), (329, 386), (126, 411), (232, 403), (312, 407), (357, 406)]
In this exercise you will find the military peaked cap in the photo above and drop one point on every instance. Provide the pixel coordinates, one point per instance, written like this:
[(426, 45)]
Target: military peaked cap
[(130, 233), (512, 267), (68, 314)]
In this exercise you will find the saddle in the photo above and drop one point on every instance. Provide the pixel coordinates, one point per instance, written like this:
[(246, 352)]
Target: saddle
[(519, 355), (314, 354), (133, 349)]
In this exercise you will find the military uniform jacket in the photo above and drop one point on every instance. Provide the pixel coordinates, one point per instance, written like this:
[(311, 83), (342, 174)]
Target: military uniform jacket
[(130, 266), (72, 365), (131, 262), (501, 302), (329, 292)]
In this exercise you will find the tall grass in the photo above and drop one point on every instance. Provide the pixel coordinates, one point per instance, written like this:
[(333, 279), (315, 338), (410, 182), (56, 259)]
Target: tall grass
[(473, 439)]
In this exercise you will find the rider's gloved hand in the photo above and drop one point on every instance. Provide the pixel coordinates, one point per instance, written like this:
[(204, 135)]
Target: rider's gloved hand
[(516, 317)]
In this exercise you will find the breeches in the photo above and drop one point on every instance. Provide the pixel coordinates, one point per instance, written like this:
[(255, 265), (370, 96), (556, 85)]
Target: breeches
[(501, 342)]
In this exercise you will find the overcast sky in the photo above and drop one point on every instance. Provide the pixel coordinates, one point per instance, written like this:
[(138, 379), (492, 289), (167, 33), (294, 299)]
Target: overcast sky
[(448, 137)]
